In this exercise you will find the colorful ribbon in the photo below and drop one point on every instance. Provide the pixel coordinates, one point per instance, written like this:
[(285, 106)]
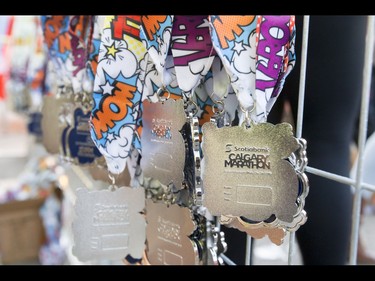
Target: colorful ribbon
[(115, 117), (255, 53)]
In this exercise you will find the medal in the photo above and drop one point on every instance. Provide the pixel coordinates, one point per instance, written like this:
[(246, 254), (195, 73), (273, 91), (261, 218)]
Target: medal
[(108, 224), (168, 231), (242, 165)]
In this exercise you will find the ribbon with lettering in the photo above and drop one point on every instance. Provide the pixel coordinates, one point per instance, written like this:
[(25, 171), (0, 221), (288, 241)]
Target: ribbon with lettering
[(156, 35), (192, 50), (80, 31), (115, 116), (234, 39), (275, 60), (57, 35), (255, 53)]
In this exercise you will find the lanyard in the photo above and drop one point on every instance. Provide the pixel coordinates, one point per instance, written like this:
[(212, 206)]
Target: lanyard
[(115, 118), (156, 36), (68, 40), (254, 51), (192, 51), (57, 39), (274, 34)]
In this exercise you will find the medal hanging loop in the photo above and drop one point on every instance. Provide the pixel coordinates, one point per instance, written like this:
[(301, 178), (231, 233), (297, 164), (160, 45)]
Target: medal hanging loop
[(218, 107), (160, 92), (248, 121), (113, 185), (191, 107)]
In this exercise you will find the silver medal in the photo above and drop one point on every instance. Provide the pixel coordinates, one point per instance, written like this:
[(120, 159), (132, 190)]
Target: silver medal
[(50, 123), (245, 171), (168, 231), (163, 148), (108, 224)]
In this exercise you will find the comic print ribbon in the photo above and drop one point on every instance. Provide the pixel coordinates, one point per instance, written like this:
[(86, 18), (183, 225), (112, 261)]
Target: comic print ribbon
[(254, 51), (159, 76), (192, 50), (268, 79), (80, 31), (274, 38), (55, 29), (62, 34), (115, 117), (156, 36), (93, 48), (233, 38), (93, 53)]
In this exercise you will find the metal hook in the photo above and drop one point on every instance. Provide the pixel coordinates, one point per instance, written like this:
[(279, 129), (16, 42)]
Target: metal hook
[(112, 178), (247, 113), (160, 93), (216, 104), (189, 101)]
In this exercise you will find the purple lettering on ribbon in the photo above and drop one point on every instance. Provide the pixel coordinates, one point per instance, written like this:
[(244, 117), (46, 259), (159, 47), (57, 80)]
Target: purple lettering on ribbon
[(274, 35), (78, 51), (191, 39)]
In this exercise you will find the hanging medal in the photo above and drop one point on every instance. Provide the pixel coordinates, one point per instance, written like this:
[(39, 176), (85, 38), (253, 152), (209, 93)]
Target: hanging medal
[(176, 236), (163, 149), (168, 231), (67, 39), (108, 224), (81, 148), (247, 171)]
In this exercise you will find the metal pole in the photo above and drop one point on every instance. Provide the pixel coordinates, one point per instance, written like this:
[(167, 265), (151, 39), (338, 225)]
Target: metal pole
[(366, 84), (331, 176), (248, 250), (301, 101), (302, 80)]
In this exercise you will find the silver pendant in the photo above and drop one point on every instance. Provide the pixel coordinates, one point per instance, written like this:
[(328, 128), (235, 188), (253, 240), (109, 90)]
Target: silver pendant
[(108, 224), (50, 123), (246, 172), (168, 231), (163, 148)]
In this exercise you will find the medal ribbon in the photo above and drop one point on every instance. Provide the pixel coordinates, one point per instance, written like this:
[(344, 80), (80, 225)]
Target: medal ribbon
[(234, 39), (92, 61), (54, 30), (274, 34), (192, 50), (115, 118), (156, 36), (80, 31), (247, 46)]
